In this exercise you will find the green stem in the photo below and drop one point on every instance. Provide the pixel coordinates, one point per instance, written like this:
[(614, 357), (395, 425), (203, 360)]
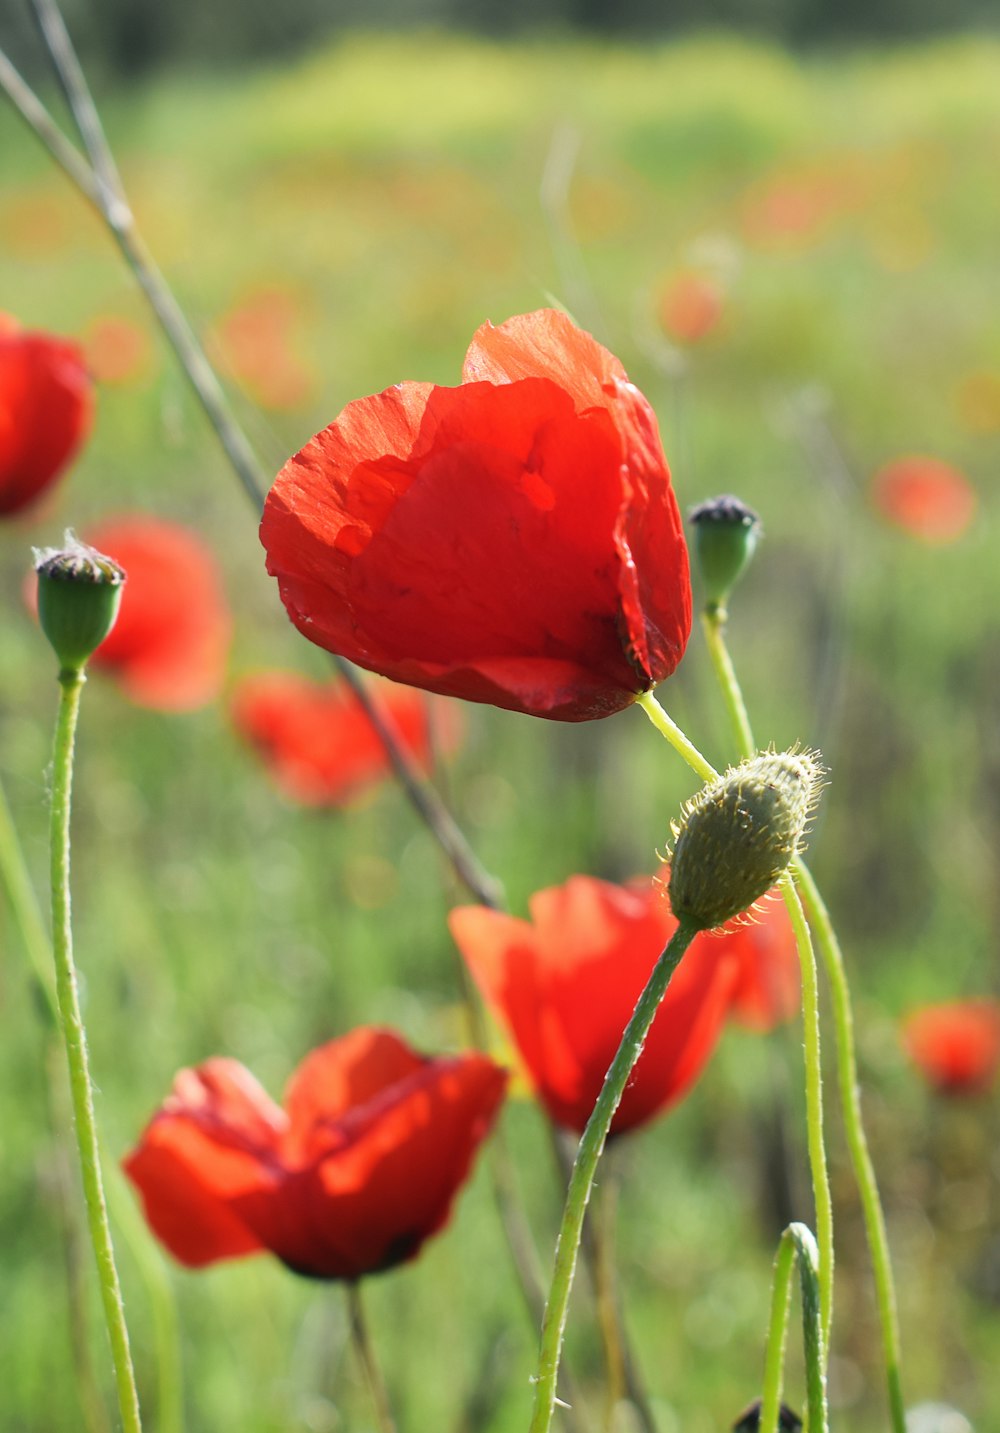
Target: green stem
[(847, 1071), (25, 910), (814, 1101), (584, 1168), (713, 624), (71, 686), (864, 1171), (667, 727), (365, 1352), (796, 1240)]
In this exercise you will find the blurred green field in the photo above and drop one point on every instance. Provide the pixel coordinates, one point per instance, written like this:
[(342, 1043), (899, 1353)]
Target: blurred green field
[(385, 198)]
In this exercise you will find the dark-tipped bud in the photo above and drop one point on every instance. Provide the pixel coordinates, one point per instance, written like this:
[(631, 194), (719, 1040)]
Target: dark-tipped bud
[(79, 593), (739, 833), (726, 533), (749, 1419)]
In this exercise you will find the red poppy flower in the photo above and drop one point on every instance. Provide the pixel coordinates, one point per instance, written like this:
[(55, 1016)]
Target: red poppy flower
[(513, 540), (256, 339), (168, 648), (956, 1046), (359, 1168), (767, 988), (316, 740), (566, 982), (46, 406), (691, 306), (118, 349), (928, 497)]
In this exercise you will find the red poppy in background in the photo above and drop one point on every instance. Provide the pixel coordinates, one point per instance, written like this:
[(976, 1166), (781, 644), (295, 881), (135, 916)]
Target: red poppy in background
[(926, 496), (691, 306), (566, 982), (256, 339), (316, 740), (956, 1046), (46, 407), (168, 648), (118, 350), (767, 990), (514, 540), (349, 1178)]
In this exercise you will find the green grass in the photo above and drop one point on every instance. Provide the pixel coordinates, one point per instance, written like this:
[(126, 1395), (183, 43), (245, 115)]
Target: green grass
[(393, 187)]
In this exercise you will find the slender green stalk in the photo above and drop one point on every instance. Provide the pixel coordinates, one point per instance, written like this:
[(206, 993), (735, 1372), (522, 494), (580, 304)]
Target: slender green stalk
[(667, 727), (864, 1171), (847, 1071), (713, 624), (814, 1101), (796, 1240), (71, 686), (584, 1168), (365, 1351), (25, 910)]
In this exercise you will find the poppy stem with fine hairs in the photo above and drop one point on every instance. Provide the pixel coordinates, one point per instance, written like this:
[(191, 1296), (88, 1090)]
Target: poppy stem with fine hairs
[(843, 1021), (370, 1366), (797, 1240), (584, 1168)]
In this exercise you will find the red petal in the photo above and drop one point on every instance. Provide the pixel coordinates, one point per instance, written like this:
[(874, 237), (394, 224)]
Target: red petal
[(46, 408), (545, 344)]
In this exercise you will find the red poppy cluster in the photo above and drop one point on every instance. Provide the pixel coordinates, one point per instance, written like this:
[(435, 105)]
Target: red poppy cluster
[(564, 985), (315, 738), (956, 1046), (514, 540), (46, 407), (169, 645), (350, 1177)]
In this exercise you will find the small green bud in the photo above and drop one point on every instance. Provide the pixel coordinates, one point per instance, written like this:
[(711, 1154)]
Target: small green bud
[(726, 533), (739, 833), (79, 593)]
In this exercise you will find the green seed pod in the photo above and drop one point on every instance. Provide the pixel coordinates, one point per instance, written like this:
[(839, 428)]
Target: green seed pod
[(726, 533), (79, 593), (738, 834)]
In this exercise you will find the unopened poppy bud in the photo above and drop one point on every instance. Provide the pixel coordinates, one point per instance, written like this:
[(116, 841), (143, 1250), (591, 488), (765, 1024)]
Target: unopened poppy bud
[(79, 593), (726, 533), (739, 833), (749, 1419)]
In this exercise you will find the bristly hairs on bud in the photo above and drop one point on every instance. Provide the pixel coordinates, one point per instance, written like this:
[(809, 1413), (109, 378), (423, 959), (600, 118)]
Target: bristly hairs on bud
[(738, 835), (79, 593)]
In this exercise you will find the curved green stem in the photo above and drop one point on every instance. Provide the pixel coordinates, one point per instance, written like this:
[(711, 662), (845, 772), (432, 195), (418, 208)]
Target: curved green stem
[(713, 625), (796, 1240), (814, 1101), (71, 685), (847, 1070), (584, 1168), (864, 1170), (667, 727)]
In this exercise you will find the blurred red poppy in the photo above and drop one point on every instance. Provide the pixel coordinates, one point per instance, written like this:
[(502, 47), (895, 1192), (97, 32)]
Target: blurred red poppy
[(956, 1046), (119, 350), (256, 340), (46, 407), (566, 982), (168, 648), (928, 497), (767, 989), (513, 540), (316, 740), (349, 1178), (691, 306)]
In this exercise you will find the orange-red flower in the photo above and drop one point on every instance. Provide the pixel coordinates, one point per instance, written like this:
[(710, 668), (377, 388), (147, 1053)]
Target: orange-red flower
[(46, 406), (168, 648), (359, 1168), (118, 349), (927, 497), (513, 540), (956, 1046), (691, 306), (566, 982), (766, 991), (316, 740)]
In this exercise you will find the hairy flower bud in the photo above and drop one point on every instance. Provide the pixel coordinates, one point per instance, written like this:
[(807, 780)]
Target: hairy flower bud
[(79, 593), (739, 833), (726, 533)]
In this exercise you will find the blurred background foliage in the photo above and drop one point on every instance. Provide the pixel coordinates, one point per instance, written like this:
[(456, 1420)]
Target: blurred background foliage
[(343, 220)]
